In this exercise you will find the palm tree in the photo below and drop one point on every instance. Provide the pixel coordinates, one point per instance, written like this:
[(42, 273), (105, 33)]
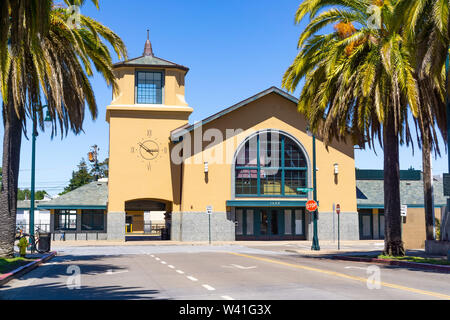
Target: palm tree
[(426, 26), (44, 60), (358, 85)]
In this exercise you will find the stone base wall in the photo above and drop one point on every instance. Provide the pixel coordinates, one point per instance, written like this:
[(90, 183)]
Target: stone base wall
[(328, 230), (438, 248), (89, 236), (116, 226), (194, 226)]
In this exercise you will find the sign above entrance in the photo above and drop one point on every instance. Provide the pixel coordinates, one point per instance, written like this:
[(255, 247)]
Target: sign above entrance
[(311, 206)]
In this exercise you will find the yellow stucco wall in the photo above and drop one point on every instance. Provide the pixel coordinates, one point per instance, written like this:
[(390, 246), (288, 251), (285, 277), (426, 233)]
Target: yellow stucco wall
[(270, 112), (174, 86), (131, 176), (413, 231)]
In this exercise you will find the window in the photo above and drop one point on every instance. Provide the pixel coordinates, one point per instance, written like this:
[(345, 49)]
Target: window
[(270, 164), (92, 220), (149, 87), (65, 220)]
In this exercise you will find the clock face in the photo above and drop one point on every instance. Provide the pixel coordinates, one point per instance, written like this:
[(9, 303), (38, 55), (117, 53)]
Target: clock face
[(148, 150)]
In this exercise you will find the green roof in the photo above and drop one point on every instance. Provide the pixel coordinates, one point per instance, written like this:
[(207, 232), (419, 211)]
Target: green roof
[(370, 193), (91, 196), (363, 174), (150, 61)]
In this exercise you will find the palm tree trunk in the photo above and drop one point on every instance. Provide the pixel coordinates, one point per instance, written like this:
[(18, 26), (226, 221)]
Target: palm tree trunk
[(427, 184), (393, 245), (8, 194)]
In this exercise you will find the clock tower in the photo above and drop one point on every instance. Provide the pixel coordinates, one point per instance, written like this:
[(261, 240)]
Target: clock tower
[(148, 104)]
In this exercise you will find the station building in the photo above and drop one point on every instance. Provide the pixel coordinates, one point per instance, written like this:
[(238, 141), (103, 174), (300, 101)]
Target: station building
[(244, 173), (250, 166)]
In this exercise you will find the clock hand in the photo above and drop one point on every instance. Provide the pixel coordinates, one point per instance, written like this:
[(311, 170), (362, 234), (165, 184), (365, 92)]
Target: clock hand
[(145, 148)]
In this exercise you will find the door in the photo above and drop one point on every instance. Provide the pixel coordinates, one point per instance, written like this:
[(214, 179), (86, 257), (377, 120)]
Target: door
[(365, 226), (128, 224)]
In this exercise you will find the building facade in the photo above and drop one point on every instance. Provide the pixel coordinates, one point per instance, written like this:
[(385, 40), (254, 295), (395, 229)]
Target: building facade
[(244, 173)]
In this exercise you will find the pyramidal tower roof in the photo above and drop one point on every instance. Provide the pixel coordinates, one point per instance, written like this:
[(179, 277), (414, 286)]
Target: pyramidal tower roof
[(148, 59)]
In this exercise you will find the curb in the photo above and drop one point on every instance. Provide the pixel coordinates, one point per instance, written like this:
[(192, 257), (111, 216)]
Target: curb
[(25, 269), (427, 266)]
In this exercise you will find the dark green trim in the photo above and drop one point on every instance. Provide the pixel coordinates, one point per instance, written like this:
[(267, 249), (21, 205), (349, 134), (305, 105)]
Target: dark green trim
[(381, 206), (266, 203), (74, 207)]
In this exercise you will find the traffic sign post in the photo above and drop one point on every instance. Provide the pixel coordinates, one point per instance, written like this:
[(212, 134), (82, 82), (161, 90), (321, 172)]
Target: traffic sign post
[(311, 206), (209, 213), (338, 212)]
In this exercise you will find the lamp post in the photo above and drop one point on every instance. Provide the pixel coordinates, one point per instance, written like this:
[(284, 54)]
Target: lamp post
[(315, 243), (33, 169)]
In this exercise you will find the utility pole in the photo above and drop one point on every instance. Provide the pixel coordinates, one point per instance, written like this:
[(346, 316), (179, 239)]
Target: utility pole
[(93, 158)]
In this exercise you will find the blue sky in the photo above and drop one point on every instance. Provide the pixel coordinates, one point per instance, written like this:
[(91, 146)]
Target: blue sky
[(234, 49)]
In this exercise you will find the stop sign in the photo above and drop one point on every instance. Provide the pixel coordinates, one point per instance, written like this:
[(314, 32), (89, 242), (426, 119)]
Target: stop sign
[(311, 206), (338, 208)]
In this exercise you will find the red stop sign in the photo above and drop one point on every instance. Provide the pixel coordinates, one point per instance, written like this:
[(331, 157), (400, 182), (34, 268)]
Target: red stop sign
[(311, 206), (338, 208)]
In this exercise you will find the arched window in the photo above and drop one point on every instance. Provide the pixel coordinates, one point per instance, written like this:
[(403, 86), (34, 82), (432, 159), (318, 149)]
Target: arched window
[(270, 164)]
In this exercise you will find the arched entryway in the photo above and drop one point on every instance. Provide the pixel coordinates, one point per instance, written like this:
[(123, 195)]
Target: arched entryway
[(271, 183), (147, 219)]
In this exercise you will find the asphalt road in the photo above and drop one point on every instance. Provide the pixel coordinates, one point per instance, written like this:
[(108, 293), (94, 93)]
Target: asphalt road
[(218, 273)]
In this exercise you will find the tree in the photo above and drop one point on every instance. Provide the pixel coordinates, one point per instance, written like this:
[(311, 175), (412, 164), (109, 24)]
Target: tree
[(359, 84), (80, 178), (26, 194), (426, 25), (45, 59)]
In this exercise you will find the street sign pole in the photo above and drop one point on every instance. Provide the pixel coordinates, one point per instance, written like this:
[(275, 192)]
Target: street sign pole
[(209, 212), (338, 211), (315, 243)]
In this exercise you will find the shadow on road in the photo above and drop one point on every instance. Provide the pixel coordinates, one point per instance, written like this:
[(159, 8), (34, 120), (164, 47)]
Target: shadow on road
[(58, 291), (372, 254)]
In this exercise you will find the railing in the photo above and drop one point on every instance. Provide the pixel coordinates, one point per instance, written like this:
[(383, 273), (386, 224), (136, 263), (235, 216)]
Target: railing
[(25, 227), (146, 228)]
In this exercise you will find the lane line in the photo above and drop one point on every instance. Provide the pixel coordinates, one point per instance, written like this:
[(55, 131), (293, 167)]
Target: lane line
[(207, 287), (171, 266), (227, 298), (192, 278), (180, 272), (342, 275), (163, 262), (157, 259)]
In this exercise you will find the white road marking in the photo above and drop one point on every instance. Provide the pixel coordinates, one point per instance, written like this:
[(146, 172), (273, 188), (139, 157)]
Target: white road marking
[(157, 259), (192, 278), (227, 298), (180, 272), (152, 255), (171, 266), (207, 287), (110, 272), (243, 268), (356, 268), (163, 262)]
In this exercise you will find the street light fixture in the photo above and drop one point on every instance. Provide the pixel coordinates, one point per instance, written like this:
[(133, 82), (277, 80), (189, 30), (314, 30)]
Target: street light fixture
[(33, 167)]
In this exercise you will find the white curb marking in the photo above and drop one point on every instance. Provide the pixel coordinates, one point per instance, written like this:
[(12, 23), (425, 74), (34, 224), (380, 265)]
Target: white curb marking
[(207, 287)]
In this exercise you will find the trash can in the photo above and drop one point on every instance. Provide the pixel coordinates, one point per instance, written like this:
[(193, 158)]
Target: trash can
[(44, 242)]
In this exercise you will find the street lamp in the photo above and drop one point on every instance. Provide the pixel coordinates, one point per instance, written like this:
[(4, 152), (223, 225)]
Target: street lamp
[(33, 167), (315, 243)]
